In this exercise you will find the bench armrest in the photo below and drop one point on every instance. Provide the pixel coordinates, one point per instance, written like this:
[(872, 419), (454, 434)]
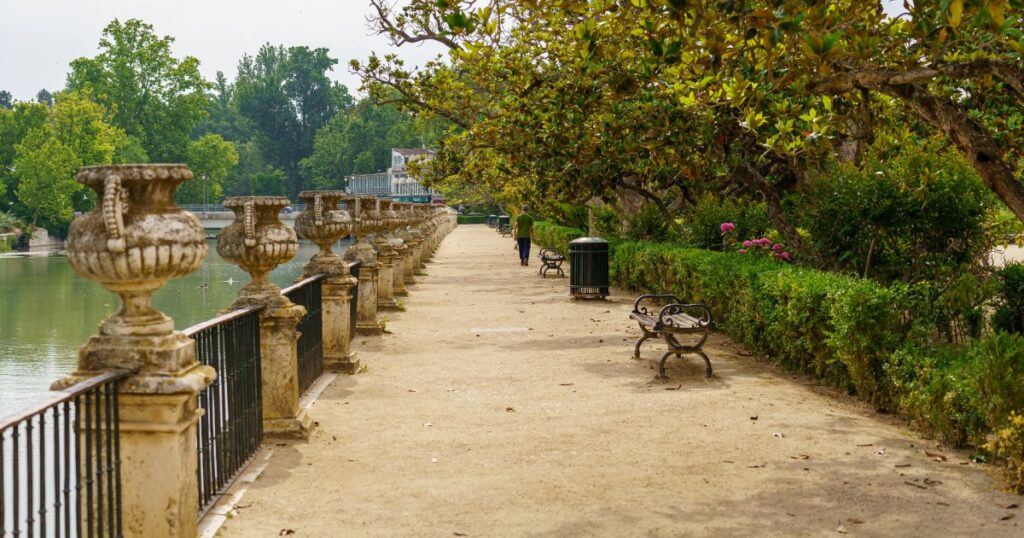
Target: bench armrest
[(643, 310), (703, 315)]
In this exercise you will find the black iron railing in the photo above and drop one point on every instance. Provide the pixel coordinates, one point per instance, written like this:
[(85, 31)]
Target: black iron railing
[(353, 299), (231, 428), (60, 464), (308, 293)]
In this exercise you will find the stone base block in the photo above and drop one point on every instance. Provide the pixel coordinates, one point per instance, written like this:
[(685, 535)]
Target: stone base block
[(343, 365), (369, 330), (298, 427), (403, 293)]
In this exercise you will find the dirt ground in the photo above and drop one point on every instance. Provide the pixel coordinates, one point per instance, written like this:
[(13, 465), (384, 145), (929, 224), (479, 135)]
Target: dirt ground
[(499, 407)]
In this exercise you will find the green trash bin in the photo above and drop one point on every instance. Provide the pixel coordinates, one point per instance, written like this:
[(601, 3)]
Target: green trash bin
[(503, 220), (492, 221), (588, 268)]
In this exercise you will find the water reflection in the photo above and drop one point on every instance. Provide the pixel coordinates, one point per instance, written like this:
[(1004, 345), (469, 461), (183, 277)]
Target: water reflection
[(47, 312)]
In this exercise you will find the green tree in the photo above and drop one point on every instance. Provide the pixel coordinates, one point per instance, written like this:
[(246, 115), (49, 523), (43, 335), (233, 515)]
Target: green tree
[(44, 97), (287, 96), (210, 156), (45, 168), (153, 96), (6, 100)]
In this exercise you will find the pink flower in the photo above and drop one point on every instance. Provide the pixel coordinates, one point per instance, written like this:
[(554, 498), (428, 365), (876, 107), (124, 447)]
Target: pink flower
[(743, 251), (764, 242), (746, 244), (784, 255), (727, 227), (777, 247)]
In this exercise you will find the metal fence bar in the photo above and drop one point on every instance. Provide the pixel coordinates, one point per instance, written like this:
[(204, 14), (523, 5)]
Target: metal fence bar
[(308, 293), (45, 465), (230, 431)]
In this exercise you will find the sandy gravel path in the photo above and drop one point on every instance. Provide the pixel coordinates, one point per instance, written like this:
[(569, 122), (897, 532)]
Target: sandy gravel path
[(498, 407)]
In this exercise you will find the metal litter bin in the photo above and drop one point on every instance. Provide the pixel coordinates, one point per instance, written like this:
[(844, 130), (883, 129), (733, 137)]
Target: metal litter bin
[(588, 268), (503, 220), (492, 221)]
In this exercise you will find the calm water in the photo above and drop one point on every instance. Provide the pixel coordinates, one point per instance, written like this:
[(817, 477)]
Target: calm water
[(47, 312)]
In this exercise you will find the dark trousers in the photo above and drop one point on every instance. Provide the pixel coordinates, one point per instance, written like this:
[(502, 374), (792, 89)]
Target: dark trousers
[(524, 248)]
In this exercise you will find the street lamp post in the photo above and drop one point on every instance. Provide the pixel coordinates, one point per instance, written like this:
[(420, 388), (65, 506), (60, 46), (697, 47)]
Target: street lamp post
[(206, 179)]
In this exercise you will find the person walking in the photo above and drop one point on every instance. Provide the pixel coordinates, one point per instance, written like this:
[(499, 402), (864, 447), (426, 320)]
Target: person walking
[(523, 232)]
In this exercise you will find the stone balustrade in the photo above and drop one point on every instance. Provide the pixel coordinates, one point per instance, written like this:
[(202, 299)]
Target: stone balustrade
[(137, 238)]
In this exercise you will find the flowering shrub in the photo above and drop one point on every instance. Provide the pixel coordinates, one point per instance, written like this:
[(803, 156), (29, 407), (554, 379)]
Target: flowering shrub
[(762, 246)]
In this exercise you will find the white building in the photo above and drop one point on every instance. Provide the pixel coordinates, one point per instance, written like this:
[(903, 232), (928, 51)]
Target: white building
[(396, 182)]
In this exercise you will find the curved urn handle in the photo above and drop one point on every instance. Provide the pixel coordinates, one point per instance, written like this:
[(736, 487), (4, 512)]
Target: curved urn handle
[(249, 223), (114, 205), (318, 210)]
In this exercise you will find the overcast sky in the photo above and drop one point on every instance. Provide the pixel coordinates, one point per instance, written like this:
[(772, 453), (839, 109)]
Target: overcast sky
[(39, 38)]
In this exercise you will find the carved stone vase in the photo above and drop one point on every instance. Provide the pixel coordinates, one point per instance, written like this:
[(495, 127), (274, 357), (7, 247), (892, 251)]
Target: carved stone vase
[(366, 219), (257, 241), (135, 240), (324, 224)]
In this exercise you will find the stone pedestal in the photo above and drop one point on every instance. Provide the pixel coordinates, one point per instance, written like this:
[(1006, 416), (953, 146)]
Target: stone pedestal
[(279, 367), (398, 284), (132, 243), (385, 280), (366, 309), (258, 242), (337, 312)]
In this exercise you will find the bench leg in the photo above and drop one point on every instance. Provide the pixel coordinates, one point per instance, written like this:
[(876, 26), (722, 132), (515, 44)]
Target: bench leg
[(709, 372), (661, 365), (647, 336)]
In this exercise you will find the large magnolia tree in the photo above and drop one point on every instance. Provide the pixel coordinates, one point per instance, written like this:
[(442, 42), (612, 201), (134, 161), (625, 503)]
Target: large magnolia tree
[(571, 99)]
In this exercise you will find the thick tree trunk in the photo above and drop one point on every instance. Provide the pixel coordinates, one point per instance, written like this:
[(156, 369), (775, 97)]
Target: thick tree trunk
[(971, 138)]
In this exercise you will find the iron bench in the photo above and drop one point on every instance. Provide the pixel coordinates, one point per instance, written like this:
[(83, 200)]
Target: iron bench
[(669, 322), (551, 258)]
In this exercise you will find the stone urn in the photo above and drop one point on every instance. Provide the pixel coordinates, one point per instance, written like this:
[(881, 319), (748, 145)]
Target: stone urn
[(324, 224), (366, 219), (135, 240), (257, 241)]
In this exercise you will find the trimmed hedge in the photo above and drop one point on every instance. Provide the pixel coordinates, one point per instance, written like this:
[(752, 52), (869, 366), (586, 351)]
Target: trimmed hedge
[(554, 236), (471, 219), (870, 339)]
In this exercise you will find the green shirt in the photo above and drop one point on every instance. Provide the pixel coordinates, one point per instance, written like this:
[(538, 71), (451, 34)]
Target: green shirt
[(524, 225)]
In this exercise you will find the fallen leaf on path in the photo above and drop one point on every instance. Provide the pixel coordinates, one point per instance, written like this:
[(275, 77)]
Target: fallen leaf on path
[(931, 482), (855, 521), (780, 435), (510, 409), (801, 457), (940, 503), (880, 451), (1007, 517), (1012, 506), (429, 424), (841, 529), (728, 461), (901, 465), (866, 444), (413, 390), (286, 532), (753, 417), (433, 460), (918, 486), (757, 466), (674, 388), (457, 533), (565, 384), (935, 456)]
